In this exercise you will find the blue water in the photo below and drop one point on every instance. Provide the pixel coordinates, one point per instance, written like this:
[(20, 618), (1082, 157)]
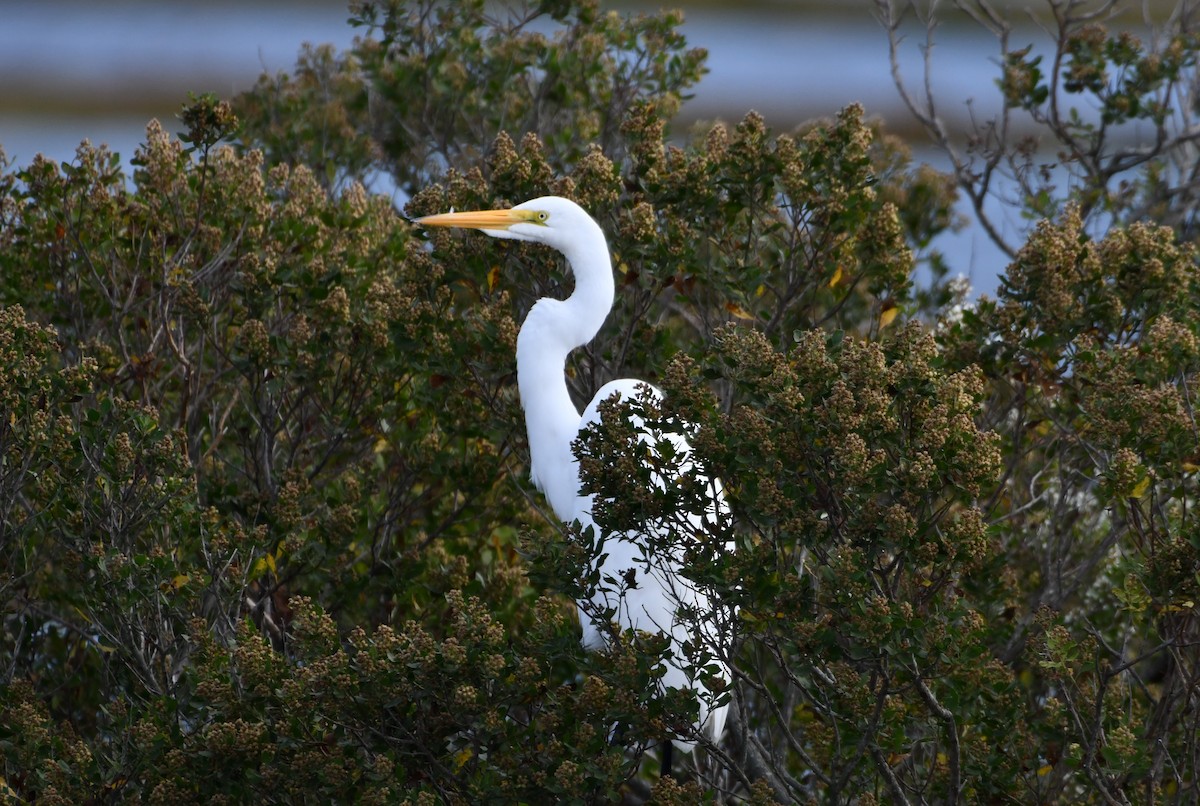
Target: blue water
[(789, 67), (141, 59)]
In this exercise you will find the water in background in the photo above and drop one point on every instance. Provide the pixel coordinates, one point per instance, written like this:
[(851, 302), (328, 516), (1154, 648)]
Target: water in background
[(75, 71)]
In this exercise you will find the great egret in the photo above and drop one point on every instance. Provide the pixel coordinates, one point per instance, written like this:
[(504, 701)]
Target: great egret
[(552, 329)]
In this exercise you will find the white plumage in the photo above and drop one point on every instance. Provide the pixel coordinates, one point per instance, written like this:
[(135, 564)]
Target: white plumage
[(552, 329)]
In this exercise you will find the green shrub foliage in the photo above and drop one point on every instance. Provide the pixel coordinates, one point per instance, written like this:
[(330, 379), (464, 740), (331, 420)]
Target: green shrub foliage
[(266, 531)]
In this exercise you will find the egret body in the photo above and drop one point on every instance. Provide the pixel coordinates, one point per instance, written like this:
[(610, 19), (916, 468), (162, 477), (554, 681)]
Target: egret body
[(552, 329)]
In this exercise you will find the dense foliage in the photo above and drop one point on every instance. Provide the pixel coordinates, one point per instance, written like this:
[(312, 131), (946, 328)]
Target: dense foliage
[(265, 525)]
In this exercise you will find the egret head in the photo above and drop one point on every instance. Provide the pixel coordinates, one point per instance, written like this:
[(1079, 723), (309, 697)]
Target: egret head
[(552, 220)]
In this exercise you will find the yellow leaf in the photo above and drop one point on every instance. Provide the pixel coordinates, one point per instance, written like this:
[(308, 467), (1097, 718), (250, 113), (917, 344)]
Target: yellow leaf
[(381, 445), (762, 289), (462, 757), (179, 581), (1140, 488), (888, 314), (738, 310), (493, 277), (264, 563), (836, 278), (1190, 467), (1045, 770), (7, 791)]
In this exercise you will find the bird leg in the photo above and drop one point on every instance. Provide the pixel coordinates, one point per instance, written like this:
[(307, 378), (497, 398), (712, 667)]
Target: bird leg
[(664, 768)]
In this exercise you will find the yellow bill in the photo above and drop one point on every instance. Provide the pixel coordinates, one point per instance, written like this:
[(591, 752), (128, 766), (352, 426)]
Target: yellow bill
[(481, 219)]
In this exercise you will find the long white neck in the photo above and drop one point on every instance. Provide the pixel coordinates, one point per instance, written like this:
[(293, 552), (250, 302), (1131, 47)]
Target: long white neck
[(550, 332)]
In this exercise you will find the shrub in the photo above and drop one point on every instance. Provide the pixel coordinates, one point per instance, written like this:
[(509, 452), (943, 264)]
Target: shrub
[(265, 523)]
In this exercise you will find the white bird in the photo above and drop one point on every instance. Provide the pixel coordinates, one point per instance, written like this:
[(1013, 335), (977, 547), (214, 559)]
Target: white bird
[(552, 329)]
